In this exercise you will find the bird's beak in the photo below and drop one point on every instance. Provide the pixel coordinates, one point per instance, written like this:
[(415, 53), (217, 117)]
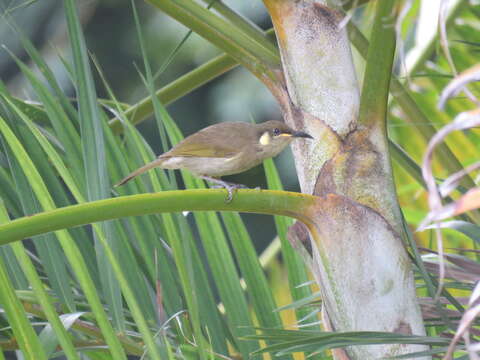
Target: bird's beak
[(302, 134)]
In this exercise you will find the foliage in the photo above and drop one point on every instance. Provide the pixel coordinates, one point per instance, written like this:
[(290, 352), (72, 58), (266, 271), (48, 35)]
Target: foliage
[(190, 285)]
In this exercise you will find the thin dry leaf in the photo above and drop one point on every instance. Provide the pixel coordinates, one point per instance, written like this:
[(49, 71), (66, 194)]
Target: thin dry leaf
[(467, 319), (473, 354), (458, 84), (465, 250), (475, 294), (442, 24), (469, 201), (440, 214), (441, 262), (452, 181), (451, 272), (465, 263), (430, 311), (443, 300), (475, 347), (465, 326), (398, 31), (462, 262), (462, 121), (442, 17)]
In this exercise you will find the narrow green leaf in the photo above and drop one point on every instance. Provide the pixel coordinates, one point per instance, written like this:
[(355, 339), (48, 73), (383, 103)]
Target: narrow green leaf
[(406, 162), (183, 86), (60, 334), (93, 148), (297, 273), (257, 286), (454, 9), (187, 256), (70, 183), (48, 337), (7, 193), (25, 335), (219, 258), (257, 58), (34, 111), (376, 83), (243, 24), (47, 246), (131, 300), (135, 278), (315, 341), (415, 355), (177, 234), (64, 129), (68, 245), (47, 73), (14, 270), (57, 189), (176, 89), (430, 282), (417, 116), (146, 229), (148, 74)]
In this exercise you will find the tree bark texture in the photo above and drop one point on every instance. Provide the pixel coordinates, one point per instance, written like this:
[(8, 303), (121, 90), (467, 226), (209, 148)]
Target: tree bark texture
[(359, 261)]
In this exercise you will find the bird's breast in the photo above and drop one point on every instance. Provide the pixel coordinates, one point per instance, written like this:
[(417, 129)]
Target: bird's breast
[(212, 166)]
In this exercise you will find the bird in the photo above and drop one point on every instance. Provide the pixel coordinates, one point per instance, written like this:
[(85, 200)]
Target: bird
[(223, 149)]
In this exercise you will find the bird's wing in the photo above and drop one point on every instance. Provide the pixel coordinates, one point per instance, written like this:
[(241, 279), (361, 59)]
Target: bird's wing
[(216, 141), (202, 147)]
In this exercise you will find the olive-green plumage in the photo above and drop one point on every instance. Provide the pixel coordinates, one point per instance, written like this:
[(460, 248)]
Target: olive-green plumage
[(225, 149)]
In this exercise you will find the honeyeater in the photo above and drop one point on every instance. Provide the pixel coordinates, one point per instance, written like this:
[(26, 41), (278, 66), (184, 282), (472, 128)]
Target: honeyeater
[(224, 149)]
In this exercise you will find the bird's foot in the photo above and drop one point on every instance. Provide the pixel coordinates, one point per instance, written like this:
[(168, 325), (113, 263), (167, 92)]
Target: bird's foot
[(229, 186)]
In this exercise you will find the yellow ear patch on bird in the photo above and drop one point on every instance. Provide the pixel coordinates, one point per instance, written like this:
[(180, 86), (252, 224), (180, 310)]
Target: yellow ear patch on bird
[(265, 138)]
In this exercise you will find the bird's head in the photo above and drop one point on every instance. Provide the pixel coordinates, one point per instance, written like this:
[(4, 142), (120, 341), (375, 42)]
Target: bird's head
[(274, 136)]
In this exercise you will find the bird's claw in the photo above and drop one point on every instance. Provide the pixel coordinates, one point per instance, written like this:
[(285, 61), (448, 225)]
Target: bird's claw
[(230, 187), (230, 194)]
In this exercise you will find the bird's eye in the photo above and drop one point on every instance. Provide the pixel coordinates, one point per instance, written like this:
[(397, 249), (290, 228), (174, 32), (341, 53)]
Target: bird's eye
[(276, 131)]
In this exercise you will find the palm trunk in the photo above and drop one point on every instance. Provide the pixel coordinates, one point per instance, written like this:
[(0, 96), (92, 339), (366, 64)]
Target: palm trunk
[(360, 262)]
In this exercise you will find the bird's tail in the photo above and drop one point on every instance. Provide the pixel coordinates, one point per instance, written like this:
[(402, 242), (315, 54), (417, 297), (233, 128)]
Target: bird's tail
[(150, 165)]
